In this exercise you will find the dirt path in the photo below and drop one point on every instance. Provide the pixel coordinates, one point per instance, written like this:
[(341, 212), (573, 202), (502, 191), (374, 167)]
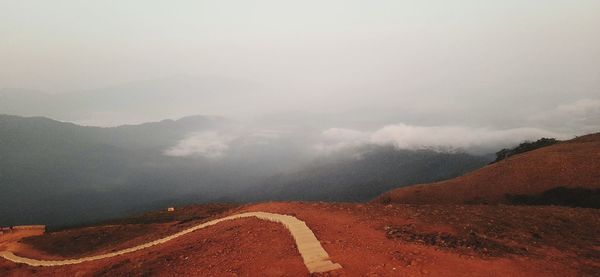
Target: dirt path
[(315, 257)]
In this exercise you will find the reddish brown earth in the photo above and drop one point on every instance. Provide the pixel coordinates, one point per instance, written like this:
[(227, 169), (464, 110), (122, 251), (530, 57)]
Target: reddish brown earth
[(367, 240), (573, 163)]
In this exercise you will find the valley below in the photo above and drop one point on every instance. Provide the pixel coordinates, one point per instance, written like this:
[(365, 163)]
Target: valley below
[(533, 213)]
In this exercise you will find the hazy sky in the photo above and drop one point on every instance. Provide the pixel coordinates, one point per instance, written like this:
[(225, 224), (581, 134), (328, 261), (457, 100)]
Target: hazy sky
[(483, 65)]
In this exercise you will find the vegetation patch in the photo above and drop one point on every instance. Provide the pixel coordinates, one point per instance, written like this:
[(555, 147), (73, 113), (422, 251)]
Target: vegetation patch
[(524, 147), (560, 196)]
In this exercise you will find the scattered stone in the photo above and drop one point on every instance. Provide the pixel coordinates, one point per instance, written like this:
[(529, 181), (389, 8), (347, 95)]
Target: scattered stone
[(472, 241)]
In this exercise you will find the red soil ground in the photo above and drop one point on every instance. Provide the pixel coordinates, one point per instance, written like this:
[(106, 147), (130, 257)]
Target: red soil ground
[(367, 240), (574, 163)]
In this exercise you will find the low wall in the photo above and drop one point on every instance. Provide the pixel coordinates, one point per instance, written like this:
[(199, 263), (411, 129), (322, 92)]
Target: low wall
[(29, 227)]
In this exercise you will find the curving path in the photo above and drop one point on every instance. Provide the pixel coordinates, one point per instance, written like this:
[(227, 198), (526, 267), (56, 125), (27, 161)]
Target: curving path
[(315, 257)]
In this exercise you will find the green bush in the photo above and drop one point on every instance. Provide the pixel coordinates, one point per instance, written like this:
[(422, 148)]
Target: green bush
[(524, 147)]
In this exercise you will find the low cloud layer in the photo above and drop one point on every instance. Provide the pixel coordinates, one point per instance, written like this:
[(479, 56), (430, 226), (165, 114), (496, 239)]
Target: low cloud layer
[(296, 134), (218, 143), (215, 145), (439, 138), (205, 144)]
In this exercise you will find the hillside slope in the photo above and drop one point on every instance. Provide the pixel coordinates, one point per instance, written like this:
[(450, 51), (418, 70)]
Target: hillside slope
[(59, 174), (570, 164), (379, 169), (53, 172)]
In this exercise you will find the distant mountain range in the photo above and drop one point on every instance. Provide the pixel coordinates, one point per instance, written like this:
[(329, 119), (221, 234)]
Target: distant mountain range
[(61, 173), (133, 101)]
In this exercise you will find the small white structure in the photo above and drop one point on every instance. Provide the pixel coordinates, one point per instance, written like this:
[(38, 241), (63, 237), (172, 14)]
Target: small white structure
[(4, 230), (170, 209), (38, 229), (30, 227)]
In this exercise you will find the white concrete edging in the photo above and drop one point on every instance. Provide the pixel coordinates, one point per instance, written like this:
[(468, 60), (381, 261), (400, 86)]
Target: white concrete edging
[(315, 257)]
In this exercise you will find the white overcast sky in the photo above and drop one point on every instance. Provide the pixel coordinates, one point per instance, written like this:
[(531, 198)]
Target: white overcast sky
[(473, 64)]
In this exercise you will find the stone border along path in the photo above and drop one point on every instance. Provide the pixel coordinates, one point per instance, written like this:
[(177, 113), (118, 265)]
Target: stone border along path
[(315, 257)]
